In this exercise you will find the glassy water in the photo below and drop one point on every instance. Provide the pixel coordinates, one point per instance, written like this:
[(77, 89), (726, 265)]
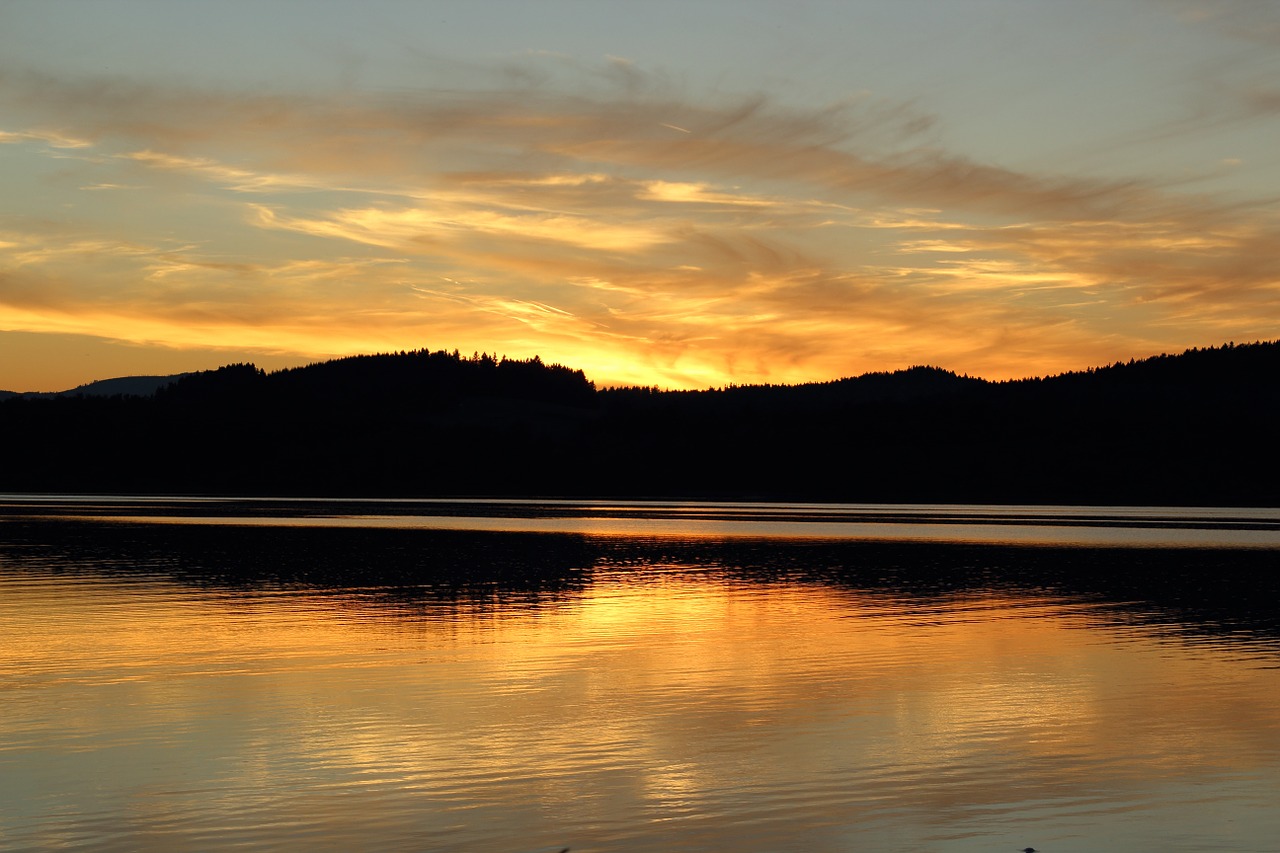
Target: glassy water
[(531, 676)]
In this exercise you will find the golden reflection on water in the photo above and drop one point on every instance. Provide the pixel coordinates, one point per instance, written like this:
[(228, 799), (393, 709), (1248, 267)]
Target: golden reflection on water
[(644, 709), (1114, 530), (1159, 527)]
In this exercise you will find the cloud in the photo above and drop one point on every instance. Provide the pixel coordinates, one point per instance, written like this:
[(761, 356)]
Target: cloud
[(607, 219), (861, 148), (1247, 20), (238, 179), (404, 227), (686, 192), (52, 138)]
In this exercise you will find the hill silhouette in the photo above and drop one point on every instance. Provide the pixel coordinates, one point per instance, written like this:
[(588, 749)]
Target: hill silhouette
[(129, 386), (1194, 428)]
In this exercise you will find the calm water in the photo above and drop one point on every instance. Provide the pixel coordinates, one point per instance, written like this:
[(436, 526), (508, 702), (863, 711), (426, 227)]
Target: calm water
[(529, 676)]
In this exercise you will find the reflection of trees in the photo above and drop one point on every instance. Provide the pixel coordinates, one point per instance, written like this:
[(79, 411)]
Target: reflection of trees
[(397, 566), (1209, 592), (1216, 593)]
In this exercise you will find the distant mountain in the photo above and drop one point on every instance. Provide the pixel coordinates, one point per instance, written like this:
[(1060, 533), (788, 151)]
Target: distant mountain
[(1195, 428), (129, 386)]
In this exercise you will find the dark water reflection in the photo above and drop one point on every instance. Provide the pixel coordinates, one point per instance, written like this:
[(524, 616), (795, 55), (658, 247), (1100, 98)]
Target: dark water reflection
[(1213, 591), (215, 684)]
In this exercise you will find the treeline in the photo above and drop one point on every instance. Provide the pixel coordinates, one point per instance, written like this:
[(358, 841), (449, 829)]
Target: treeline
[(1195, 428)]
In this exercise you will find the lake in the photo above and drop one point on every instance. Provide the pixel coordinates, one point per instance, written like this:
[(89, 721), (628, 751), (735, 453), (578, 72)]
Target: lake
[(211, 674)]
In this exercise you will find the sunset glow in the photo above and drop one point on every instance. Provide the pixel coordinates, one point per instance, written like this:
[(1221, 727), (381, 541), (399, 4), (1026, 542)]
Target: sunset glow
[(682, 195)]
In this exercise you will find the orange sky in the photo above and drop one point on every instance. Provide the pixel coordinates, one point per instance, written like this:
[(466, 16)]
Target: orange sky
[(669, 196)]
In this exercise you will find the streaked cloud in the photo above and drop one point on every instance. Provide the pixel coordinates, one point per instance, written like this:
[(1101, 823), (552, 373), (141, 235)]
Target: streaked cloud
[(608, 216), (49, 137)]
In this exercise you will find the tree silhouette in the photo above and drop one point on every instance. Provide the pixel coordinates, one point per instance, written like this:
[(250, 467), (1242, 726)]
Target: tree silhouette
[(1191, 428)]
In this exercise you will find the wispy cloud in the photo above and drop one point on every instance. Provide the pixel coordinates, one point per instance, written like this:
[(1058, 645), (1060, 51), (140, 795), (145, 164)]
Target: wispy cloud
[(1248, 20), (51, 138), (607, 218)]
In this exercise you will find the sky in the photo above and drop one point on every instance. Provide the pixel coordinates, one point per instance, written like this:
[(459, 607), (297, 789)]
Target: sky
[(682, 194)]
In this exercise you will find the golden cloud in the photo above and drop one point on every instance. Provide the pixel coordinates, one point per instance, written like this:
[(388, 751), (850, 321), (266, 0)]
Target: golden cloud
[(628, 228)]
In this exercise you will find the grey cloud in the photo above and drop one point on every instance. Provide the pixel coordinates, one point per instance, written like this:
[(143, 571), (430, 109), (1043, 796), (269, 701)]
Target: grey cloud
[(856, 149), (1248, 20)]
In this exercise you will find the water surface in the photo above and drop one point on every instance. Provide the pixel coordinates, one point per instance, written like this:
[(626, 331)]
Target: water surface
[(462, 676)]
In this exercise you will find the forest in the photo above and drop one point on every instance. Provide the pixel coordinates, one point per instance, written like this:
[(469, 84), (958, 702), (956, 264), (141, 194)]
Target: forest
[(1196, 428)]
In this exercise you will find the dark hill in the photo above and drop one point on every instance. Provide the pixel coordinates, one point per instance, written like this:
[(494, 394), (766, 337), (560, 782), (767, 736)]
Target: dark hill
[(128, 386), (1193, 428)]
